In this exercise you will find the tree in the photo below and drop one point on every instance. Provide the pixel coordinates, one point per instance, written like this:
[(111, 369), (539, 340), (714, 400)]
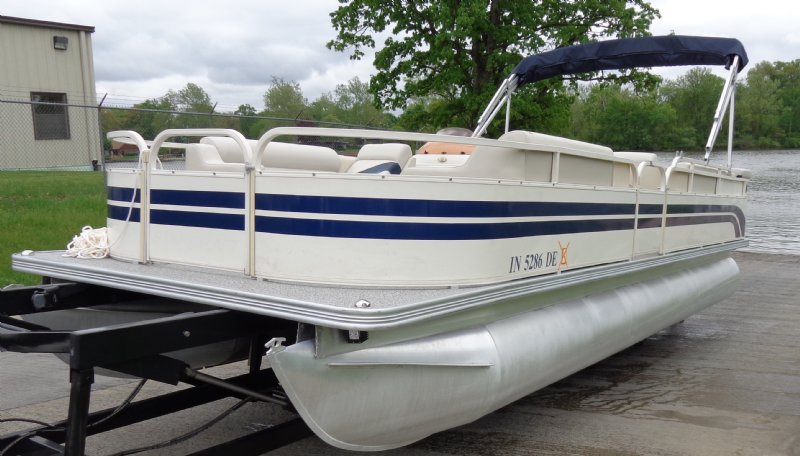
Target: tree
[(694, 97), (284, 99), (779, 84), (760, 109), (152, 117), (248, 124), (356, 104), (325, 109), (191, 98), (613, 115), (459, 51)]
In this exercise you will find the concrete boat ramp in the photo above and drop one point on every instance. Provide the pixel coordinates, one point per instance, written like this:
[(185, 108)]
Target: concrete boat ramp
[(726, 381)]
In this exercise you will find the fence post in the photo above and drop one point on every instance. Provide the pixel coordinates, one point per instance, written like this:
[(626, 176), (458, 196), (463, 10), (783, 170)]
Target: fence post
[(102, 139)]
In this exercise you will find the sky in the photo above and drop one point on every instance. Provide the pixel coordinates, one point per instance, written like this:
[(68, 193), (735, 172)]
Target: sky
[(232, 49)]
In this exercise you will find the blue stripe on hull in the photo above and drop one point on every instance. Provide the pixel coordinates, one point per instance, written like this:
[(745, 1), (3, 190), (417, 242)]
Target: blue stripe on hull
[(121, 213), (197, 219), (675, 209), (432, 208), (412, 208), (704, 208), (123, 194), (433, 231), (231, 200), (704, 219), (655, 222)]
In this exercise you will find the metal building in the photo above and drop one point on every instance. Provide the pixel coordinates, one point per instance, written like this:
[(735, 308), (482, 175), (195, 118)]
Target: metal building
[(47, 95)]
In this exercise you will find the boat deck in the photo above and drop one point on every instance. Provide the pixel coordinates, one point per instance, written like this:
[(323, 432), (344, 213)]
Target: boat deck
[(333, 307), (724, 382)]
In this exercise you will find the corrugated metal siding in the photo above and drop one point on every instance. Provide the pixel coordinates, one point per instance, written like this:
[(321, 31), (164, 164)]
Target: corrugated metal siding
[(29, 63)]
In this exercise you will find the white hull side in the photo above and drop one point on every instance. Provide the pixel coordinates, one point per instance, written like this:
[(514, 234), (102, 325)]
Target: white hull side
[(192, 235), (407, 262), (390, 396), (124, 229)]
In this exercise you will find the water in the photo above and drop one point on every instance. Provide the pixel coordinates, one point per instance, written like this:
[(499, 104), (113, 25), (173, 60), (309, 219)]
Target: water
[(773, 206)]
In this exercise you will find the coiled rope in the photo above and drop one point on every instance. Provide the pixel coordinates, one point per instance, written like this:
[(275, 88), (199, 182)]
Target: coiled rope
[(90, 243)]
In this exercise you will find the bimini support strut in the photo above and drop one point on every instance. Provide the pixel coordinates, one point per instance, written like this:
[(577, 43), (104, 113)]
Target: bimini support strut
[(725, 99), (502, 96)]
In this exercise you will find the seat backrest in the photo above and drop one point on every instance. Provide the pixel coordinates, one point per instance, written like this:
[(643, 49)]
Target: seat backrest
[(205, 157), (389, 158), (396, 152), (229, 151), (299, 156)]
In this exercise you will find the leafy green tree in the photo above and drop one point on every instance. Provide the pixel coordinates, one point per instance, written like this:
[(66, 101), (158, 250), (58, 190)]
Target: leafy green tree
[(694, 98), (760, 110), (191, 98), (428, 114), (460, 50), (624, 119), (781, 79), (151, 117), (356, 104), (284, 99), (249, 125), (325, 109), (787, 74)]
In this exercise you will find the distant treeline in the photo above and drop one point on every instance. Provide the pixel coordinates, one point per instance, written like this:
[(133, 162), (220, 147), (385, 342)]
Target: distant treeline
[(677, 114), (665, 116)]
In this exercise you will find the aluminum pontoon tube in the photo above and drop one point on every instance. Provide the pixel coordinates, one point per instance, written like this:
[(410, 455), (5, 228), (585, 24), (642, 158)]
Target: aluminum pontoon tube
[(386, 397)]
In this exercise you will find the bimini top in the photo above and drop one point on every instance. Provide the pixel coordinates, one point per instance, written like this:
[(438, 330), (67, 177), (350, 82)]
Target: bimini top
[(671, 50)]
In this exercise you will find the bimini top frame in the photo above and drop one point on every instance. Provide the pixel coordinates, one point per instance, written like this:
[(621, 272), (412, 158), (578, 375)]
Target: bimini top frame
[(671, 50)]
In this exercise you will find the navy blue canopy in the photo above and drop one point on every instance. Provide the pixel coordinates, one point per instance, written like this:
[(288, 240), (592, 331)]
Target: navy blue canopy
[(655, 51)]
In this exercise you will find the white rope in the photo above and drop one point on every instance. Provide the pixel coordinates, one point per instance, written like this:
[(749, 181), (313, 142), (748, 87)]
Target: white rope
[(93, 242), (90, 243)]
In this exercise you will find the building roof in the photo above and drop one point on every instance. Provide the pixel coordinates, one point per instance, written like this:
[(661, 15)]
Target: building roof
[(45, 24)]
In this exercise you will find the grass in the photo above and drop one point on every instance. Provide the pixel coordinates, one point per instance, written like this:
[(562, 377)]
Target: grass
[(43, 210)]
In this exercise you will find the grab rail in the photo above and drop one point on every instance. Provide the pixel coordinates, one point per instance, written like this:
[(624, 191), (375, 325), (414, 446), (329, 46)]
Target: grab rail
[(640, 169), (128, 137), (241, 141)]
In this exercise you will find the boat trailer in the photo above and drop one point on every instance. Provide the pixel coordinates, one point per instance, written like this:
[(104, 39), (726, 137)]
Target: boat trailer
[(138, 350)]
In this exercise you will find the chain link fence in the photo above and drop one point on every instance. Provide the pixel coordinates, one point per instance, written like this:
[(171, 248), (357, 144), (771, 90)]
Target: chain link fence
[(47, 134)]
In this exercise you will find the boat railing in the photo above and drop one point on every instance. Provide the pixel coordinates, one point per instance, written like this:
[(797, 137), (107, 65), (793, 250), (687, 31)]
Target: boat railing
[(413, 137), (641, 167), (253, 152), (128, 137), (705, 179), (241, 141)]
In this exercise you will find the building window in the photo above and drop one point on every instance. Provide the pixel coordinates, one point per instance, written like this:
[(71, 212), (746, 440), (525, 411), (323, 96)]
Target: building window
[(50, 121)]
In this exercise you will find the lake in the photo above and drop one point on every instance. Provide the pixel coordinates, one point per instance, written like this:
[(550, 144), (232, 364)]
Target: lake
[(773, 206)]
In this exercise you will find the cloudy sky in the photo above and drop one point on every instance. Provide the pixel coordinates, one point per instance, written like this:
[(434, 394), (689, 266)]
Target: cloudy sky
[(232, 48)]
